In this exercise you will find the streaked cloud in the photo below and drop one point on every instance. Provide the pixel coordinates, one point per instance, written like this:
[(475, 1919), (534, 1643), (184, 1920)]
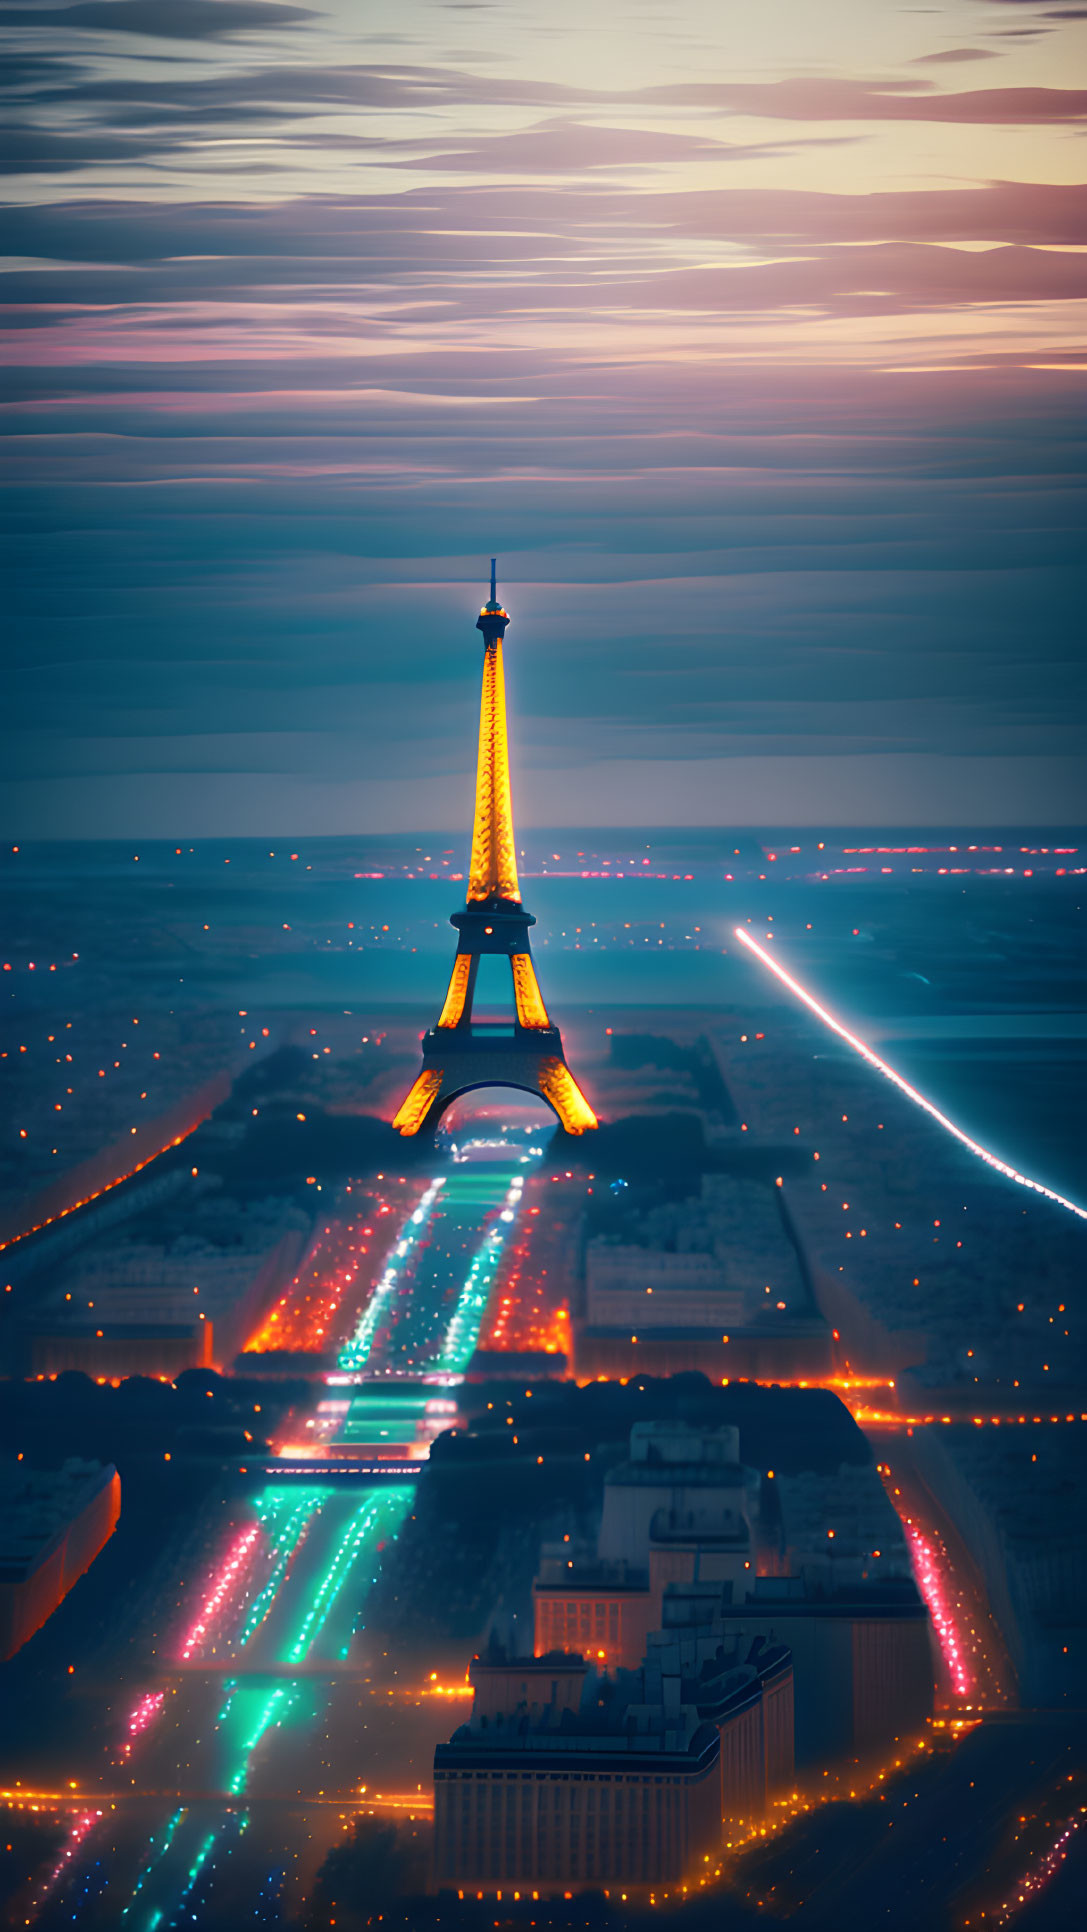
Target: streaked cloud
[(763, 381)]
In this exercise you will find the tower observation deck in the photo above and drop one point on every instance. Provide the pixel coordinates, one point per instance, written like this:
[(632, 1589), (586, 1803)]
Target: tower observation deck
[(460, 1053)]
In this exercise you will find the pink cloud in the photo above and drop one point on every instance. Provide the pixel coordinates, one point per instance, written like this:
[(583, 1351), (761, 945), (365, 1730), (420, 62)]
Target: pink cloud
[(886, 100)]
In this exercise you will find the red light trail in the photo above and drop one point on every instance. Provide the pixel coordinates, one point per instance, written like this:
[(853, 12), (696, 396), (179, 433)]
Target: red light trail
[(930, 1581), (521, 1315), (233, 1567), (1045, 1867), (106, 1188), (142, 1718), (321, 1303), (85, 1823), (896, 1079)]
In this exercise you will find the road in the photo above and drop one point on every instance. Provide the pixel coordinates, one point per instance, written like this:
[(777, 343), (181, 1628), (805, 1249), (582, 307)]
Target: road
[(271, 1716)]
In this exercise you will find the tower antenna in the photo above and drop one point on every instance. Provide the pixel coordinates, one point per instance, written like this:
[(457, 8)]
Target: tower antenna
[(494, 593)]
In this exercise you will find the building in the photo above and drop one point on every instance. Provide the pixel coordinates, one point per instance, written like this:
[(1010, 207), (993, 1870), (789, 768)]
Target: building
[(746, 1692), (601, 1609), (619, 1791), (814, 1560), (678, 1469), (863, 1663), (677, 1509), (118, 1349), (649, 1288), (505, 1684), (567, 1776), (713, 1284), (834, 1528), (229, 1280), (52, 1525), (786, 1350)]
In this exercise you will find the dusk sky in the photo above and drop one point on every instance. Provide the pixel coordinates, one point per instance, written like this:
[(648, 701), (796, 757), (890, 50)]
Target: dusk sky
[(748, 336)]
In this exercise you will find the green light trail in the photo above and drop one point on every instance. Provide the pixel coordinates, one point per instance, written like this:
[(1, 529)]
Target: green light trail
[(284, 1544), (466, 1321), (167, 1841), (355, 1353), (273, 1713), (382, 1511), (195, 1870)]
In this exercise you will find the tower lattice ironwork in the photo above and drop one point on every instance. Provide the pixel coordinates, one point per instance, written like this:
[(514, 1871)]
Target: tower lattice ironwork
[(460, 1052)]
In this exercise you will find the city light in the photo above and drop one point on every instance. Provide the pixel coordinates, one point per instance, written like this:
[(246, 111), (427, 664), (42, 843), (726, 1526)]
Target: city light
[(928, 1570), (911, 1093), (233, 1568), (82, 1825), (380, 1513), (287, 1540), (141, 1719), (1045, 1867), (467, 1318), (159, 1852), (273, 1713), (355, 1353)]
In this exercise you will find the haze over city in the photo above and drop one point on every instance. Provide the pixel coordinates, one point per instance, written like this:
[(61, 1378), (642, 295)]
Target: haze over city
[(542, 1198)]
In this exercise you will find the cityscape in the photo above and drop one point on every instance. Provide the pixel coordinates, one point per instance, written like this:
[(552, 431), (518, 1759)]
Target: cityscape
[(543, 1194), (579, 1523)]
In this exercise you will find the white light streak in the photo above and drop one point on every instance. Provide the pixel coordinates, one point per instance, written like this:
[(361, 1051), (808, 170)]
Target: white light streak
[(911, 1093)]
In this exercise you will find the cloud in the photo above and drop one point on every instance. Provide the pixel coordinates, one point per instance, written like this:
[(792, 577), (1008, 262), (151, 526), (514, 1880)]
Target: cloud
[(780, 479), (276, 88), (161, 19), (588, 244), (954, 55), (563, 147), (848, 100)]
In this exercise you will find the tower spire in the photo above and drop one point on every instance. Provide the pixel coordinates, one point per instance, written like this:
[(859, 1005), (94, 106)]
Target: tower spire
[(492, 870), (460, 1053)]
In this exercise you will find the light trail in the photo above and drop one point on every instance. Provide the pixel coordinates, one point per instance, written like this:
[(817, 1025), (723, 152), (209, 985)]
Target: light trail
[(286, 1543), (272, 1715), (159, 1853), (975, 1660), (194, 1872), (1045, 1867), (355, 1353), (381, 1513), (866, 1053), (304, 1318), (389, 1801), (893, 1419), (19, 1797), (213, 1095), (84, 1824), (523, 1317), (467, 1319), (930, 1581), (233, 1568), (141, 1719)]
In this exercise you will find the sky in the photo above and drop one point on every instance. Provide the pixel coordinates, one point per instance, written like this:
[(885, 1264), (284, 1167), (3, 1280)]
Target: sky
[(749, 337)]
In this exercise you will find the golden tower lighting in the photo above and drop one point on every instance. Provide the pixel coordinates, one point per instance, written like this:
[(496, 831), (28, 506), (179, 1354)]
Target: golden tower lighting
[(460, 1053)]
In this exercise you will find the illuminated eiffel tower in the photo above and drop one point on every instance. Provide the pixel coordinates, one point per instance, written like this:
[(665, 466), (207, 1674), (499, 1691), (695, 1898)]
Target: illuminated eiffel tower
[(461, 1053)]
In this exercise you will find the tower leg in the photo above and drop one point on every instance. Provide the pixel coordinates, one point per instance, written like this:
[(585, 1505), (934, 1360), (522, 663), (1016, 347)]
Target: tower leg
[(413, 1111), (557, 1084)]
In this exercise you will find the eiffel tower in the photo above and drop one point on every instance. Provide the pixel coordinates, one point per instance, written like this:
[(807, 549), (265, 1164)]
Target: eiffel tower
[(460, 1053)]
